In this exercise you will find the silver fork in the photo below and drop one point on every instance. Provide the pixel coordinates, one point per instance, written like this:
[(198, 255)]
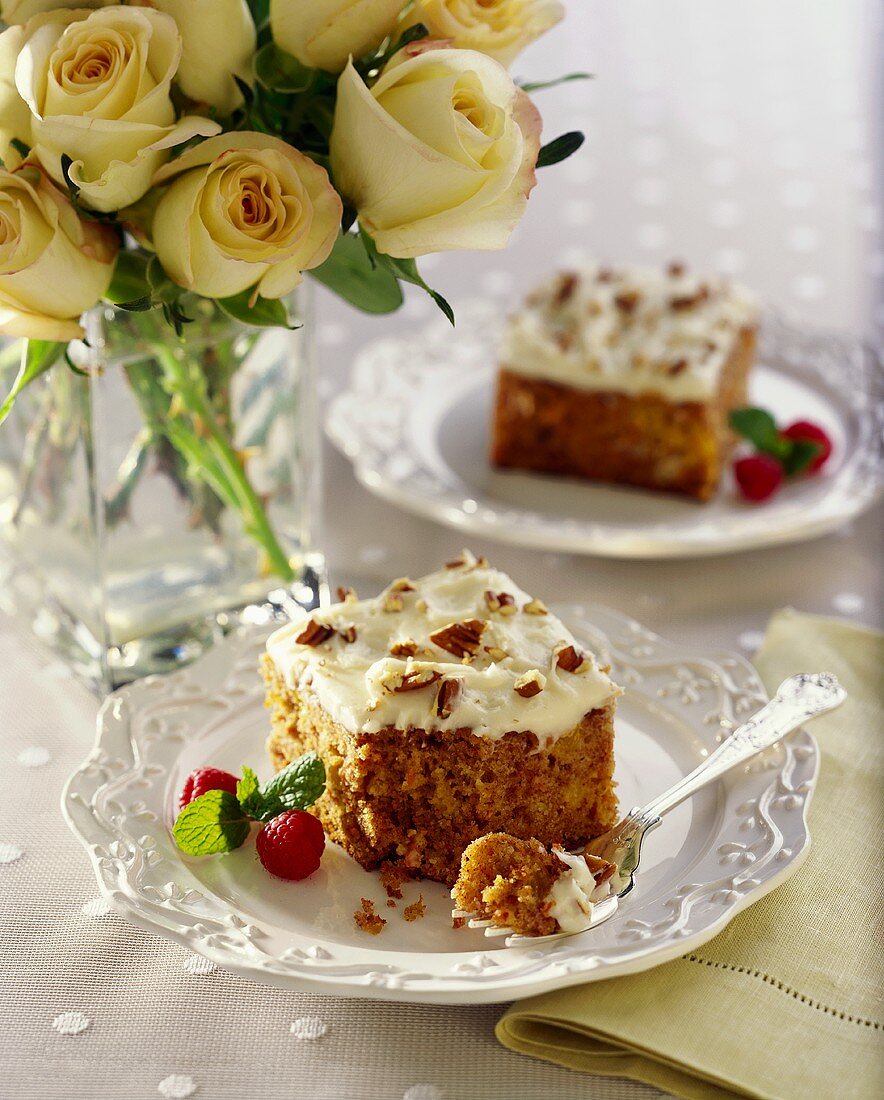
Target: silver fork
[(797, 700)]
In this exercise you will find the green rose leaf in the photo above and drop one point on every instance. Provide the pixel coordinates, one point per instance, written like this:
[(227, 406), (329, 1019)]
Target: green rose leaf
[(265, 313), (349, 272), (542, 85), (278, 71), (404, 270), (38, 356), (296, 787), (130, 282), (560, 149), (212, 823)]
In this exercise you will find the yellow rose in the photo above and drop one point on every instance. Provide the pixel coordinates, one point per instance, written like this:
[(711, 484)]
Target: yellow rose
[(322, 34), (244, 210), (439, 154), (20, 11), (500, 28), (97, 86), (15, 118), (53, 265), (218, 38)]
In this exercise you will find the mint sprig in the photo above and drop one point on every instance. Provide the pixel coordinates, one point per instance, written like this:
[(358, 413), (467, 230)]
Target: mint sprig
[(296, 787), (759, 427), (218, 821), (212, 823)]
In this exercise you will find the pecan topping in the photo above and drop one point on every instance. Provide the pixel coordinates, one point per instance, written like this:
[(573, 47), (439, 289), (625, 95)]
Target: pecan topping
[(417, 679), (348, 633), (569, 658), (535, 607), (531, 684), (421, 605), (461, 639), (604, 275), (447, 696), (677, 367), (676, 268), (466, 561), (403, 584), (688, 301), (566, 286), (314, 633), (346, 595), (600, 869), (406, 648), (627, 300), (500, 601), (393, 602), (496, 653)]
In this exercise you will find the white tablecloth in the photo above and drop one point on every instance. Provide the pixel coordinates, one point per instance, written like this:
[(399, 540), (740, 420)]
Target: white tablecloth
[(736, 136)]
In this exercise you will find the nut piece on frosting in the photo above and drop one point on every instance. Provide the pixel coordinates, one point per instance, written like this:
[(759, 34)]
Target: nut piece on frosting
[(368, 662)]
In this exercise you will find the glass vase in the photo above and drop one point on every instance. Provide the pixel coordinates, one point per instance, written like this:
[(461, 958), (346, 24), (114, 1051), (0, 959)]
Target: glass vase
[(165, 494)]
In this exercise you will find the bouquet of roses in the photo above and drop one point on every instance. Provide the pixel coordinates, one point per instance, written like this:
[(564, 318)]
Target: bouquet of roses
[(164, 154)]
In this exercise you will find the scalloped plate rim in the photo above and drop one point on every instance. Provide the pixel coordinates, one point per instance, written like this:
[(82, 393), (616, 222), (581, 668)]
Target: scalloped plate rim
[(509, 987)]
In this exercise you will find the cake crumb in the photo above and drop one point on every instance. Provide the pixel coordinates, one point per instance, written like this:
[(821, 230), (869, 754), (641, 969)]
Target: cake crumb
[(391, 904), (458, 922), (392, 877), (416, 910), (367, 920)]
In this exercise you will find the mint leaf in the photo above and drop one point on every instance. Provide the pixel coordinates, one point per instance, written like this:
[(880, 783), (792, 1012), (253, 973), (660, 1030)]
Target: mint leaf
[(248, 794), (212, 823), (296, 787), (801, 453), (760, 428)]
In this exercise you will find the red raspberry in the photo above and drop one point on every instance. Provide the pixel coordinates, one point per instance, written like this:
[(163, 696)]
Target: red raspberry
[(813, 433), (291, 845), (758, 476), (206, 779)]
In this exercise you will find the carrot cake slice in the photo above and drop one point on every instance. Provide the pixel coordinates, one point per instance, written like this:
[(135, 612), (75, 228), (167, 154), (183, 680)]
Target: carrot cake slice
[(518, 884), (626, 374), (445, 708)]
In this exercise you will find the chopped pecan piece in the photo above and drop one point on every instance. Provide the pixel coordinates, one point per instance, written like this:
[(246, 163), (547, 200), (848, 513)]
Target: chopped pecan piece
[(461, 639), (348, 633), (346, 595), (677, 367), (496, 653), (403, 584), (447, 697), (604, 275), (393, 602), (499, 601), (417, 679), (535, 607), (600, 869), (466, 561), (531, 684), (406, 648), (627, 300), (565, 289), (676, 268), (569, 658), (314, 633), (688, 301)]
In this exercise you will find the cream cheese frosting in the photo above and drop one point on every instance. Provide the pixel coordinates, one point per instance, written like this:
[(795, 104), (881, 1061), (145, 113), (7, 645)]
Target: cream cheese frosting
[(574, 893), (630, 330), (463, 647)]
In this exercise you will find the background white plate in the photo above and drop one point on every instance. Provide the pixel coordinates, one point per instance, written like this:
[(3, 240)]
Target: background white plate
[(415, 423), (710, 858)]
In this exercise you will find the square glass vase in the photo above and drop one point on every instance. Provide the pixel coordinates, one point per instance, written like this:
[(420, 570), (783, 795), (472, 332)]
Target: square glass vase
[(167, 493)]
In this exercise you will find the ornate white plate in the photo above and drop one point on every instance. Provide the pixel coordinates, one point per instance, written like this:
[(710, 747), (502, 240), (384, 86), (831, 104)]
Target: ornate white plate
[(415, 423), (712, 856)]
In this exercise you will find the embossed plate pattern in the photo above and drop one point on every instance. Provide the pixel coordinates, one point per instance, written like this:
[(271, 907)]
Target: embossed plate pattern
[(712, 856), (415, 419)]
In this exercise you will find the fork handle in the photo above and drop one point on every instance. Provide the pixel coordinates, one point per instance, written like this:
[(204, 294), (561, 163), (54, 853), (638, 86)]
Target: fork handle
[(797, 699)]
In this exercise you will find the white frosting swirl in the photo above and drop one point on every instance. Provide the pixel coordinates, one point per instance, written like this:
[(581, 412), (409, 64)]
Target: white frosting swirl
[(574, 893), (673, 340), (354, 681)]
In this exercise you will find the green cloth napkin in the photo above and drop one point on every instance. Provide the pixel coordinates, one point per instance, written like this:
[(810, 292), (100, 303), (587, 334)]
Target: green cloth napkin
[(786, 1001)]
